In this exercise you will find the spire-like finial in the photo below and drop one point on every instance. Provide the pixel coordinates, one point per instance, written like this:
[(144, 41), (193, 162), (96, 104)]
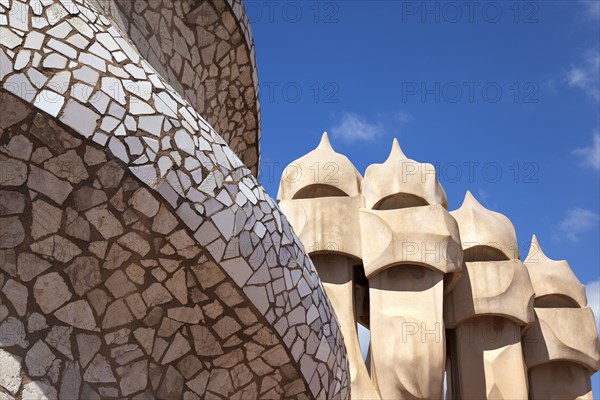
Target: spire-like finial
[(348, 179), (470, 200), (396, 153), (325, 144), (535, 250)]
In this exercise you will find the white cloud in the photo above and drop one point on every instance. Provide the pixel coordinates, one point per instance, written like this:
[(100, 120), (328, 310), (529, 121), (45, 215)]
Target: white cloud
[(575, 223), (593, 297), (585, 75), (354, 127), (590, 156), (591, 9)]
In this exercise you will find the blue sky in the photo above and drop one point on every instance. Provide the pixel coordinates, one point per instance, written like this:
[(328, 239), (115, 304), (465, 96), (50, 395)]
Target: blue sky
[(503, 97)]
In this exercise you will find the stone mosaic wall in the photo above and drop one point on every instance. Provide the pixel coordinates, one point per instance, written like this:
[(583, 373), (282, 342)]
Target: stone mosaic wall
[(70, 64), (205, 51), (105, 294)]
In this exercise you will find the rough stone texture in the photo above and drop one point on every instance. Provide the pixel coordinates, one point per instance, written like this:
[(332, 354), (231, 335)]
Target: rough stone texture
[(116, 329), (206, 52), (140, 121)]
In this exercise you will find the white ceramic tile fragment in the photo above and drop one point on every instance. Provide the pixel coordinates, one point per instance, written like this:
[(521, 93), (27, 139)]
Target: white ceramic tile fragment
[(18, 16), (165, 105), (119, 56), (117, 71), (86, 75), (97, 50), (120, 131), (100, 101), (130, 123), (136, 72), (118, 149), (19, 85), (49, 102), (62, 48), (107, 41), (152, 143), (36, 77), (93, 61), (55, 61), (81, 92), (37, 60), (55, 13), (22, 59), (114, 88), (135, 145), (116, 110), (151, 124), (80, 118), (101, 138), (61, 30), (140, 107), (34, 40), (39, 23), (78, 41), (141, 89), (60, 82), (36, 6), (109, 124), (9, 39), (82, 27), (131, 53), (145, 173), (184, 142)]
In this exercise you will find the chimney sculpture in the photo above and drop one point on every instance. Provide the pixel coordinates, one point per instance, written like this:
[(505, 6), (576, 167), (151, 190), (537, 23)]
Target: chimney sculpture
[(561, 349), (320, 195), (492, 300), (410, 243), (437, 281)]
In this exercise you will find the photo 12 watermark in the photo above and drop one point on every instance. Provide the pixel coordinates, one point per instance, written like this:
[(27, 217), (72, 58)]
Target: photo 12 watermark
[(293, 12), (469, 92), (471, 12)]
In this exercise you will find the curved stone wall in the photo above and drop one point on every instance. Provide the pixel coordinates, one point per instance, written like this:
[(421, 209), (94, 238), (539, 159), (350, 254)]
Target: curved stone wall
[(69, 63), (206, 52), (106, 294)]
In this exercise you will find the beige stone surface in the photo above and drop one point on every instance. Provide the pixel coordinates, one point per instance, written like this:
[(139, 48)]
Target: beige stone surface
[(560, 381), (489, 360), (500, 288), (426, 236), (408, 344), (567, 334), (323, 210), (322, 172), (337, 275), (401, 182), (553, 281), (486, 235), (317, 222), (487, 308)]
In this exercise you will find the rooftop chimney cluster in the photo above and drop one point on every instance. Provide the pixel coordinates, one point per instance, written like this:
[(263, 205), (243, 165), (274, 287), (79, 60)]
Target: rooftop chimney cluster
[(441, 292)]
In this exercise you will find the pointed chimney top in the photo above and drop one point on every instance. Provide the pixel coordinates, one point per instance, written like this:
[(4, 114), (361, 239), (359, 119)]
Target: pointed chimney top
[(325, 144), (396, 153), (535, 250), (470, 200)]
